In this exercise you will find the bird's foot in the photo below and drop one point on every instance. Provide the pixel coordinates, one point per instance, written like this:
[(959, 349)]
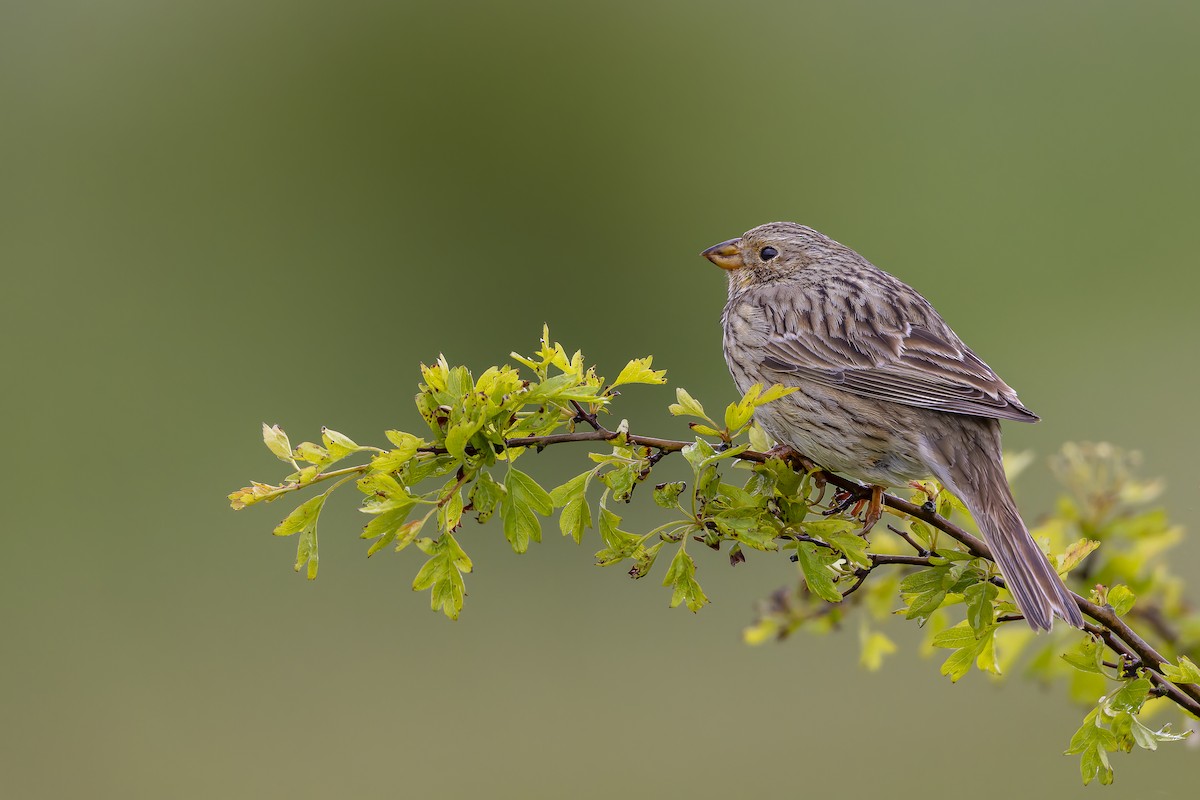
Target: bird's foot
[(874, 509)]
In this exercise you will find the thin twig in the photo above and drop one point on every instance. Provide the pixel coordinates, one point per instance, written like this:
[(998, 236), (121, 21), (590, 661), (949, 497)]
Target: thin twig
[(1116, 634)]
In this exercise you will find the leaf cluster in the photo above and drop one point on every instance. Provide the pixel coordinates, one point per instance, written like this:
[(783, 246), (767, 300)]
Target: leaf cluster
[(742, 497)]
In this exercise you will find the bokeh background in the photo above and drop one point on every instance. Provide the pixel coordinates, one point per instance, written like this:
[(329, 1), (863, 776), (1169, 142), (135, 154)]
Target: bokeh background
[(216, 213)]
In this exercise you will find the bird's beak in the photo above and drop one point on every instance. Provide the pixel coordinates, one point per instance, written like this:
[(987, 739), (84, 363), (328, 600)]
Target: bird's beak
[(726, 255)]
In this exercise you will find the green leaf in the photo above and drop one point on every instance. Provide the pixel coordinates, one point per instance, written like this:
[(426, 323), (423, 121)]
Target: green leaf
[(874, 647), (383, 493), (980, 598), (1131, 696), (621, 481), (923, 532), (1186, 672), (682, 576), (451, 510), (392, 461), (1091, 742), (384, 528), (402, 440), (1121, 598), (1148, 739), (620, 545), (751, 526), (645, 561), (571, 490), (312, 453), (958, 636), (1075, 553), (814, 563), (277, 442), (575, 517), (407, 533), (925, 580), (923, 605), (638, 371), (667, 494), (339, 445), (459, 435), (304, 516), (686, 405), (773, 393), (306, 551), (968, 645), (525, 490), (1086, 655), (825, 528), (738, 415), (852, 546), (485, 495), (758, 439), (524, 497), (576, 514), (442, 574)]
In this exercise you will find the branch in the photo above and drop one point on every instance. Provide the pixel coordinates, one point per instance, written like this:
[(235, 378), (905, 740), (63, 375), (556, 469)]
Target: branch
[(1111, 628)]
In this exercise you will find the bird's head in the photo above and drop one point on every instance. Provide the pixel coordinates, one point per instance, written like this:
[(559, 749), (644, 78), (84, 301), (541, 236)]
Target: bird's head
[(770, 252)]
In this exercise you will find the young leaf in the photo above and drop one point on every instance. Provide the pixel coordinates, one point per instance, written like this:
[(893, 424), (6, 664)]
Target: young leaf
[(277, 442), (524, 497), (1121, 598), (968, 645), (571, 490), (645, 561), (686, 405), (302, 517), (1186, 672), (852, 546), (682, 576), (1074, 554), (621, 545), (575, 516), (394, 460), (442, 574), (485, 495), (814, 563), (1091, 742), (979, 598), (1086, 655), (306, 551), (338, 445), (638, 371), (667, 494), (874, 647)]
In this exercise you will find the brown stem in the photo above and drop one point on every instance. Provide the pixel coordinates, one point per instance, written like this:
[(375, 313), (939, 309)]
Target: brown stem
[(1116, 634)]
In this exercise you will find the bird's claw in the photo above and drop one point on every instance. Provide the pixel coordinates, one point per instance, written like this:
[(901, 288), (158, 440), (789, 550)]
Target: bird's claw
[(874, 510)]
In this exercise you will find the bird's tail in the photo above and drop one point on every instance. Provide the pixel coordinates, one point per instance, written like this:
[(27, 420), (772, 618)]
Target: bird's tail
[(1033, 582)]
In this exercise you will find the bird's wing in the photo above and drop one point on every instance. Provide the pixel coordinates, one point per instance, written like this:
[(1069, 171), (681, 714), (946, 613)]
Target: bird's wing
[(898, 352)]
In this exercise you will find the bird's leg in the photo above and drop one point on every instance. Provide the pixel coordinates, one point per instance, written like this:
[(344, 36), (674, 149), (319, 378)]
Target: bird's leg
[(874, 509)]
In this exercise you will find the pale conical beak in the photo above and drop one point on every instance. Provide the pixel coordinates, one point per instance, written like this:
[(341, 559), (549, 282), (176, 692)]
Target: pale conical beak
[(726, 255)]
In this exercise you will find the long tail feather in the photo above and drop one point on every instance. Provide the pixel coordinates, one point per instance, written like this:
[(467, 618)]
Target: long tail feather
[(1033, 582)]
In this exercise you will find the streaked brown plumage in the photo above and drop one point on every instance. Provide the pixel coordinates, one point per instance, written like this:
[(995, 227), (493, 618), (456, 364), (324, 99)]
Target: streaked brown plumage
[(888, 393)]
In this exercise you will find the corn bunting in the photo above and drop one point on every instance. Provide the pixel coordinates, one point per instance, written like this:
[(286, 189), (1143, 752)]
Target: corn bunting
[(887, 392)]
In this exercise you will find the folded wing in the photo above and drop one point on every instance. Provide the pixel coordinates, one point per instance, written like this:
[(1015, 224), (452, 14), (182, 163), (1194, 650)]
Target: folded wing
[(906, 355)]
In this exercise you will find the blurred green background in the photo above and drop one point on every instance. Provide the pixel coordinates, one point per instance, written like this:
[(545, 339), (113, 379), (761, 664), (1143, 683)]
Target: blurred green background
[(218, 213)]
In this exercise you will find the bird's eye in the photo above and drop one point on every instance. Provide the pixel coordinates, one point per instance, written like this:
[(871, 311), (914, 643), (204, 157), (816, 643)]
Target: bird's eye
[(767, 253)]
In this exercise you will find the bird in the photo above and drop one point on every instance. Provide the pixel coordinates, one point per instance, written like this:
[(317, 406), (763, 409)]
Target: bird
[(886, 392)]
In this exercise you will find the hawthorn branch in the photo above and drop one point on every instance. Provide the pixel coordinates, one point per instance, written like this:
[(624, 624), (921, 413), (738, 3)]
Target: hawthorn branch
[(1107, 625)]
